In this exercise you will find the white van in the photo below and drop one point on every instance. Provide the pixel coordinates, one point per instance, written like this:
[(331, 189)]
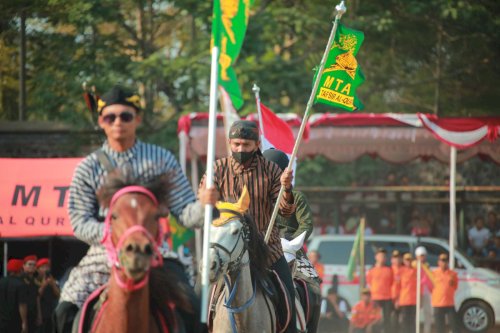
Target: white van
[(477, 299)]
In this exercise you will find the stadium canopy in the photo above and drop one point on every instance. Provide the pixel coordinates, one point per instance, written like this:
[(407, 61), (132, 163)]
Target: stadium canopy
[(395, 138)]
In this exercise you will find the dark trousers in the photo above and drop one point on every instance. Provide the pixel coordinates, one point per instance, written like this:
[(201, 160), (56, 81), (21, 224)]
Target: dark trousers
[(395, 320), (408, 318), (281, 267), (387, 307), (439, 318)]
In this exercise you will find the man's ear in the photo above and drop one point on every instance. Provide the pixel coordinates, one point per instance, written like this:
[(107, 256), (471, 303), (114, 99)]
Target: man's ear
[(138, 119), (100, 122)]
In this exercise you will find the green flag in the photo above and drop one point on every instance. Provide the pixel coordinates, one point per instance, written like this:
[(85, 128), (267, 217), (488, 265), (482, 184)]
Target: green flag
[(342, 74), (229, 26), (351, 264)]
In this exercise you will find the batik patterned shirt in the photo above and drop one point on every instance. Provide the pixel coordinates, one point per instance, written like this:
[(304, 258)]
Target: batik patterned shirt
[(143, 160), (262, 178)]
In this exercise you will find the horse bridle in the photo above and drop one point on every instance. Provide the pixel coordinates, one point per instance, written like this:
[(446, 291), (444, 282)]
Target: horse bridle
[(234, 266), (243, 234), (113, 255)]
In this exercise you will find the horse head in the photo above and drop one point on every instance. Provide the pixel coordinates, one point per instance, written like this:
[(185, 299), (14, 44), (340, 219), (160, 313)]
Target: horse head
[(229, 236), (132, 232)]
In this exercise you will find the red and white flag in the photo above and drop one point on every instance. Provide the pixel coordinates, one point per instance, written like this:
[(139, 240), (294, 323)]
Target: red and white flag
[(276, 133)]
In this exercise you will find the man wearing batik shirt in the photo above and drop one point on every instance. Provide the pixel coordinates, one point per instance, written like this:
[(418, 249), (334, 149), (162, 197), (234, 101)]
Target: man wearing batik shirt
[(119, 116), (247, 167)]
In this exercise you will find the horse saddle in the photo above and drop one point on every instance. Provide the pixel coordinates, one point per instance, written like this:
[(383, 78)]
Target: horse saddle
[(277, 292), (90, 311)]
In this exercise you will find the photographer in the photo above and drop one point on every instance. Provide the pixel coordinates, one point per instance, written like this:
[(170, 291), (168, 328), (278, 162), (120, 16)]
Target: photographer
[(48, 294)]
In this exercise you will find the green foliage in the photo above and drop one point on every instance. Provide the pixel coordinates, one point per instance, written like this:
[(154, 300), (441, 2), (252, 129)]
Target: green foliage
[(418, 56)]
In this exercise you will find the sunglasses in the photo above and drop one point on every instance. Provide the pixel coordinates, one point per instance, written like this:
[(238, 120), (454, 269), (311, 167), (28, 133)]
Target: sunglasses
[(125, 117)]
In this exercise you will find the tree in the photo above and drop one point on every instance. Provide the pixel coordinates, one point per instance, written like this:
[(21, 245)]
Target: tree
[(418, 56)]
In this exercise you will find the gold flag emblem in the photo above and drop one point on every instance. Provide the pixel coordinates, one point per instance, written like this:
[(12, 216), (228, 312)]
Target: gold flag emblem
[(345, 61), (229, 11)]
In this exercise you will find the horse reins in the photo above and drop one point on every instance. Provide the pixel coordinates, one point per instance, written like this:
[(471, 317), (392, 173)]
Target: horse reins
[(156, 259)]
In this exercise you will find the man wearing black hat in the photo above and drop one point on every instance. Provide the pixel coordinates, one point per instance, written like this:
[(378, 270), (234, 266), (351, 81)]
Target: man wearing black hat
[(263, 179), (119, 117)]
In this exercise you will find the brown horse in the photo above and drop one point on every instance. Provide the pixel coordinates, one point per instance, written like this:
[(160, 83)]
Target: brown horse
[(140, 295)]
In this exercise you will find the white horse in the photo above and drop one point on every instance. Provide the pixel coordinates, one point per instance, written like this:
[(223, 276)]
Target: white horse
[(308, 306), (238, 257)]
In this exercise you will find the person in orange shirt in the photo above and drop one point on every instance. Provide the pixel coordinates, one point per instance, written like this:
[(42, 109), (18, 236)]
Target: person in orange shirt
[(314, 258), (443, 295), (380, 279), (396, 264), (406, 289), (366, 315)]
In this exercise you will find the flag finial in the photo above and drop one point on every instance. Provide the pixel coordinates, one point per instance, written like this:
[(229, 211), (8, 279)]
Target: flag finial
[(255, 88), (341, 8)]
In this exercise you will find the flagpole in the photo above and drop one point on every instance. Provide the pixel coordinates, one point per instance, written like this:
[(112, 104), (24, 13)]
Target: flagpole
[(419, 280), (341, 9), (362, 277), (226, 120), (212, 122), (256, 91)]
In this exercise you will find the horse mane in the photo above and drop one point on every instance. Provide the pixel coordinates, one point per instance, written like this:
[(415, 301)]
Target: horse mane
[(163, 288), (258, 250), (159, 185)]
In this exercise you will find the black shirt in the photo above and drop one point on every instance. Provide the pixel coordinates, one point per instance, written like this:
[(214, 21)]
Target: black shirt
[(13, 292), (48, 302)]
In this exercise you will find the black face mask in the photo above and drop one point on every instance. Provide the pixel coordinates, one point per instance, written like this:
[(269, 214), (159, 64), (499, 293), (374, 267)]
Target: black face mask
[(243, 157)]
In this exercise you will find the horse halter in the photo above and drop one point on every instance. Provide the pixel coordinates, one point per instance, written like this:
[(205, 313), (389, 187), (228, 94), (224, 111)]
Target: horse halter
[(243, 234), (156, 259)]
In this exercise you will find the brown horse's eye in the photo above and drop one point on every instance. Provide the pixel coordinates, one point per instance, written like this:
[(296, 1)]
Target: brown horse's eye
[(113, 216)]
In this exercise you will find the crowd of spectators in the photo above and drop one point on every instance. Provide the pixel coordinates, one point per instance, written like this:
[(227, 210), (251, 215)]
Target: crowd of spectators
[(28, 296), (481, 235)]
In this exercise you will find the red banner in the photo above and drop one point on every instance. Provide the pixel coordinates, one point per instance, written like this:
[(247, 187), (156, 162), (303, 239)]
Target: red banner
[(34, 195)]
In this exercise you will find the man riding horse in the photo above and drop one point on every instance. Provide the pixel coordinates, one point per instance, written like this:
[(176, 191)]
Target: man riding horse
[(247, 167), (119, 116), (293, 227)]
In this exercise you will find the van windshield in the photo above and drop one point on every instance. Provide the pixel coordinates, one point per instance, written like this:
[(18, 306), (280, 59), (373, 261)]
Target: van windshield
[(335, 252), (434, 250)]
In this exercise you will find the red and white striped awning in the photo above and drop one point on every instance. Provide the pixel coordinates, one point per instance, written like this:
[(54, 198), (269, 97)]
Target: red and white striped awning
[(396, 138)]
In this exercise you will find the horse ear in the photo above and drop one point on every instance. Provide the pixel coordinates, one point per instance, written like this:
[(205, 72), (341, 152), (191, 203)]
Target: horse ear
[(244, 201), (298, 241)]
